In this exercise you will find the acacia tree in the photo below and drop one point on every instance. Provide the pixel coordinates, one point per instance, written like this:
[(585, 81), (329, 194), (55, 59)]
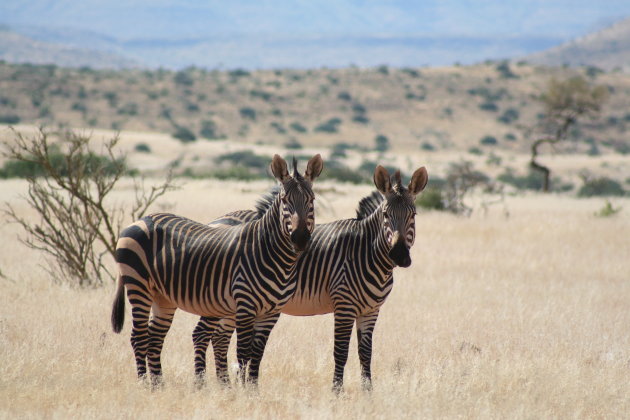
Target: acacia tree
[(69, 188), (565, 101)]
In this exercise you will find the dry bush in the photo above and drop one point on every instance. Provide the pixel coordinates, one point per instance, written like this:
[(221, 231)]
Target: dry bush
[(77, 226)]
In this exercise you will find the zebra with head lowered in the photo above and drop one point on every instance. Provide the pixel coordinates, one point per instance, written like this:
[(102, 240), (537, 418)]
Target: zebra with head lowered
[(240, 272), (347, 269)]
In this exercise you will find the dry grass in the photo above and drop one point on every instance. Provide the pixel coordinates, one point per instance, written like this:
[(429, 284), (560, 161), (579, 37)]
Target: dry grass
[(525, 317)]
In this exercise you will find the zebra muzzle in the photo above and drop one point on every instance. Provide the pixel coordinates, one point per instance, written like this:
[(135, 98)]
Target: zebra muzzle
[(400, 254), (300, 238)]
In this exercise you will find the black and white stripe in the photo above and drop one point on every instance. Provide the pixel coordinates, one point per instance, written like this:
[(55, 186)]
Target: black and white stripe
[(240, 272), (347, 269)]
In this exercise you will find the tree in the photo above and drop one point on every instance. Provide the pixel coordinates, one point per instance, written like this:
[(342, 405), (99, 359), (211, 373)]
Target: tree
[(78, 226), (565, 101)]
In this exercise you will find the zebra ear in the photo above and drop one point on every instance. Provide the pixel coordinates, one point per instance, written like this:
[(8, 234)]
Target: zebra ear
[(314, 167), (418, 181), (279, 168), (381, 180)]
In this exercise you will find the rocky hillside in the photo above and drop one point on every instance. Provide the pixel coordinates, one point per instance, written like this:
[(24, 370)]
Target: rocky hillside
[(487, 107), (608, 49), (18, 48)]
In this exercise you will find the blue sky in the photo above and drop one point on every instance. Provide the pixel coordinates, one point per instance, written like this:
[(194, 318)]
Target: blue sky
[(195, 18)]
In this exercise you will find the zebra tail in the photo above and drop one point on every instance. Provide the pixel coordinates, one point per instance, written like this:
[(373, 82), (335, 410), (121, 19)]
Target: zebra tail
[(118, 309)]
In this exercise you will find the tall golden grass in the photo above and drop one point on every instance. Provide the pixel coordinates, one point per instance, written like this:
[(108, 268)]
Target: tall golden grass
[(519, 317)]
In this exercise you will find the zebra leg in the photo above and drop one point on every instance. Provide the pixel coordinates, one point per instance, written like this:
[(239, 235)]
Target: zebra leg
[(343, 329), (201, 338), (262, 329), (140, 302), (365, 328), (244, 337), (158, 328), (220, 343)]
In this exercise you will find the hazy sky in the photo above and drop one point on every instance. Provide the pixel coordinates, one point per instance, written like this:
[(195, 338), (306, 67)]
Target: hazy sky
[(197, 18)]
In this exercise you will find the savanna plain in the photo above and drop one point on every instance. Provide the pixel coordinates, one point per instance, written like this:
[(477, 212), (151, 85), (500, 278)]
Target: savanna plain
[(517, 312)]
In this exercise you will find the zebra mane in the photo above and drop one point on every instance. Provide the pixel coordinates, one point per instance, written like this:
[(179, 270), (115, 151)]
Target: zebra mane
[(368, 204), (266, 201)]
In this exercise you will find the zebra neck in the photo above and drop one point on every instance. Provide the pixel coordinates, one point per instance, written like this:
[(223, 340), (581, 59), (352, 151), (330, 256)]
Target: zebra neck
[(271, 230), (373, 228)]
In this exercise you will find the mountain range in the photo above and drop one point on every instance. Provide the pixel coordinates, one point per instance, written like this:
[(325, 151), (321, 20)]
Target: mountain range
[(300, 34)]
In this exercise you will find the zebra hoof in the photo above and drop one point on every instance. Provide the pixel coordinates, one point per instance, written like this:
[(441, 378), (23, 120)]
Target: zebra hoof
[(200, 381)]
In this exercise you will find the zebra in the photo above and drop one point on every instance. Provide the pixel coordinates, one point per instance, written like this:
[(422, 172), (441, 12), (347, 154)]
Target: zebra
[(347, 270), (238, 272)]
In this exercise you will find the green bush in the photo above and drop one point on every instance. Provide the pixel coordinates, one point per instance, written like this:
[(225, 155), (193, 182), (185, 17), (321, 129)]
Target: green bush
[(601, 186), (344, 96), (278, 127), (337, 171), (248, 113), (9, 119), (330, 126), (475, 151), (381, 143), (245, 158), (183, 78), (237, 172), (489, 106), (209, 130), (531, 181), (509, 116), (30, 169), (142, 148), (296, 126), (184, 135), (608, 210), (293, 144), (361, 119), (431, 199), (488, 141), (427, 146)]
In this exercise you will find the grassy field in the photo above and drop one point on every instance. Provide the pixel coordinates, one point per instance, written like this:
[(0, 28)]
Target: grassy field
[(519, 317)]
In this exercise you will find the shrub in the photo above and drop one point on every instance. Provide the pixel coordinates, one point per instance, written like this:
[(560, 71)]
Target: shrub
[(245, 158), (342, 173), (248, 113), (489, 106), (608, 210), (296, 126), (78, 226), (128, 109), (361, 119), (209, 130), (427, 146), (509, 116), (9, 119), (256, 93), (531, 181), (330, 126), (510, 137), (238, 172), (293, 144), (381, 143), (183, 78), (184, 135), (505, 72), (601, 186), (344, 96), (142, 148), (431, 199), (475, 151), (488, 141), (278, 127)]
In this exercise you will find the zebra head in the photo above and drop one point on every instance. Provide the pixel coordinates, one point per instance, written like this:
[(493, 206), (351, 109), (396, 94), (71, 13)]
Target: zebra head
[(399, 211), (297, 198)]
